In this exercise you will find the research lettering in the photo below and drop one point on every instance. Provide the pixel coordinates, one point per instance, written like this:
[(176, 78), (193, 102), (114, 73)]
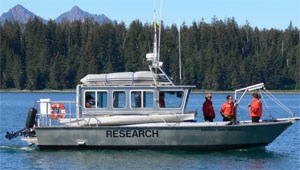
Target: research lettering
[(132, 133)]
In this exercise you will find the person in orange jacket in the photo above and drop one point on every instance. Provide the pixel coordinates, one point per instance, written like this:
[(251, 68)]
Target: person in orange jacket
[(228, 110), (208, 110), (255, 108)]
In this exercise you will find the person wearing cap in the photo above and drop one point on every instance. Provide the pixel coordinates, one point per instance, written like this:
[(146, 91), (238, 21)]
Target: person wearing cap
[(255, 108), (228, 110), (208, 110), (89, 101)]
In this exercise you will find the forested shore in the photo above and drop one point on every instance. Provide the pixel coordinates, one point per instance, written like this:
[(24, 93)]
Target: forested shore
[(220, 55), (193, 91)]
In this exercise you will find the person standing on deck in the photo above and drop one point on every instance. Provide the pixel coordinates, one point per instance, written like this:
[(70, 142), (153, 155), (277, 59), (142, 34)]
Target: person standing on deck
[(228, 110), (208, 110), (255, 108)]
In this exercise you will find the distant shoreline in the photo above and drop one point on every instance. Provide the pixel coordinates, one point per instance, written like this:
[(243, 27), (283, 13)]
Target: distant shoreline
[(199, 91), (36, 91), (232, 92)]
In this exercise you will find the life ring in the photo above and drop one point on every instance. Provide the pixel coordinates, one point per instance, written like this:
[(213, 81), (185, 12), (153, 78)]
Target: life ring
[(58, 111)]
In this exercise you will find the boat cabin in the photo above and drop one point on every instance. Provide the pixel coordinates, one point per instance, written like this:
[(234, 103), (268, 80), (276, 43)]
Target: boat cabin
[(130, 93)]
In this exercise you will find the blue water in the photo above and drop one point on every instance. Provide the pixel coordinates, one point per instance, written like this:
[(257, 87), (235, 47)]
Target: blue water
[(283, 153)]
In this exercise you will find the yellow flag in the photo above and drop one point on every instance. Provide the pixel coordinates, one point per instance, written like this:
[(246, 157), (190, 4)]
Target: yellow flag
[(156, 26)]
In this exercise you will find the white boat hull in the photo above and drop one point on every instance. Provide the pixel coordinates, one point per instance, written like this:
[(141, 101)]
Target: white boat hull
[(163, 136)]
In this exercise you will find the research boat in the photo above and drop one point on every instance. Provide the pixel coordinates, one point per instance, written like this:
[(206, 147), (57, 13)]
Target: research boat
[(140, 110)]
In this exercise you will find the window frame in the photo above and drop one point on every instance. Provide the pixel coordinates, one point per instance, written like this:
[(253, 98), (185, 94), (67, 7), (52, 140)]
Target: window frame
[(125, 99), (166, 103), (143, 92), (96, 98)]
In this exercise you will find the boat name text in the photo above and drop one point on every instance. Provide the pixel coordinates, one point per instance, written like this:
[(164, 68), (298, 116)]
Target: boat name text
[(131, 133)]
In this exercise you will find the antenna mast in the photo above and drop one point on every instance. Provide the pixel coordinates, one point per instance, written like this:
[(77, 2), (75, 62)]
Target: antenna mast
[(159, 33), (179, 47)]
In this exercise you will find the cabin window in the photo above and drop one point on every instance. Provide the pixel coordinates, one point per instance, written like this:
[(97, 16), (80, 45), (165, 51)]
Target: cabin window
[(141, 99), (119, 100), (101, 99), (136, 99), (148, 99), (170, 99), (95, 99)]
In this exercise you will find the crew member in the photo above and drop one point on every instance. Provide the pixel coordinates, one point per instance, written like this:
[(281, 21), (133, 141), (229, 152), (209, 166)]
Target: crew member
[(162, 100), (228, 110), (89, 101), (207, 108), (255, 108)]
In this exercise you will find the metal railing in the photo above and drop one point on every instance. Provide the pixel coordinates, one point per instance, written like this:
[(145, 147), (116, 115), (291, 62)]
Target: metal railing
[(50, 111)]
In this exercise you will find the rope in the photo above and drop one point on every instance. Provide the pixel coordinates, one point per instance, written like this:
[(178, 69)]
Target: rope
[(272, 97), (263, 99)]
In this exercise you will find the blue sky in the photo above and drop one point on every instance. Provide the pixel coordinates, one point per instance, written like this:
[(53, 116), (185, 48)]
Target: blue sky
[(261, 13)]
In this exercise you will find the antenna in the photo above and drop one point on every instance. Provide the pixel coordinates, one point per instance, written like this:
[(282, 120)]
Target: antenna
[(179, 49), (155, 56), (159, 34)]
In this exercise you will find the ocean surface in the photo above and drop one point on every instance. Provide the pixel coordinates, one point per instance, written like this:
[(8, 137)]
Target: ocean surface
[(283, 153)]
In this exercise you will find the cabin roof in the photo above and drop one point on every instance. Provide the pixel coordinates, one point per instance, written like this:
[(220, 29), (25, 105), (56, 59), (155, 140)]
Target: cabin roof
[(126, 78)]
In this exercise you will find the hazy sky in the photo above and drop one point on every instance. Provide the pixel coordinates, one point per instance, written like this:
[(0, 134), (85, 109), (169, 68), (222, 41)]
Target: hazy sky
[(261, 13)]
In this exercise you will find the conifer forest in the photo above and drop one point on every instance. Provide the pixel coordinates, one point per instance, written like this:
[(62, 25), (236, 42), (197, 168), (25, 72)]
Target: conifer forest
[(220, 55)]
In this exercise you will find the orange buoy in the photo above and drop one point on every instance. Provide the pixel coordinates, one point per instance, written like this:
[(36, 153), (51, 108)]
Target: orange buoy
[(58, 111)]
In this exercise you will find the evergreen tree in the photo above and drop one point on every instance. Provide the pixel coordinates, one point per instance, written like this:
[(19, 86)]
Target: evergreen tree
[(220, 55)]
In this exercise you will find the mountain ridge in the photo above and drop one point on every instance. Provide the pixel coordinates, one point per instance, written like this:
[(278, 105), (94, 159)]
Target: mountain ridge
[(76, 14), (21, 14)]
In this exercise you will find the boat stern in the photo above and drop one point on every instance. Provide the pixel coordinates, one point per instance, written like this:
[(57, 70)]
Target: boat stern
[(31, 140)]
